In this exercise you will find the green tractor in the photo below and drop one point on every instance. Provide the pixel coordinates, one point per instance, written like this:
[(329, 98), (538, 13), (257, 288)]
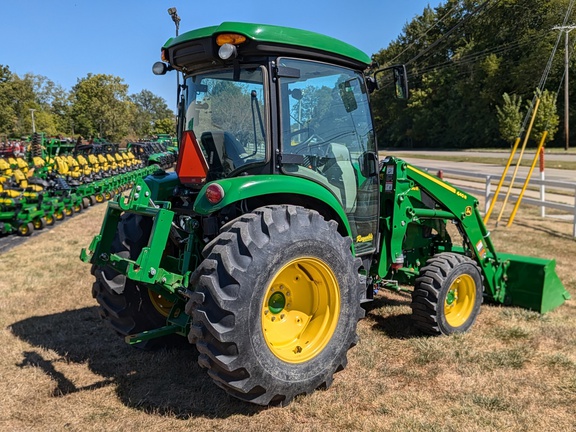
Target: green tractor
[(280, 220)]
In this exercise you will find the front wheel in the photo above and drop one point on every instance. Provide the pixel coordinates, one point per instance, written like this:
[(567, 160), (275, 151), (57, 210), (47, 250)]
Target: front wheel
[(447, 294), (276, 304)]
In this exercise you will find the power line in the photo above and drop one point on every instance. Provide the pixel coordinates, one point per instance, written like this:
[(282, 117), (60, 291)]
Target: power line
[(474, 57), (421, 35), (450, 31)]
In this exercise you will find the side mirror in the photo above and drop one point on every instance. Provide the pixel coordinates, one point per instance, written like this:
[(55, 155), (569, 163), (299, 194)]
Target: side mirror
[(400, 82), (396, 75)]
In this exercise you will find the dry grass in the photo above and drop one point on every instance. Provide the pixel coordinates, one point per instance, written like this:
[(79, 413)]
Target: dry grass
[(63, 369), (525, 162)]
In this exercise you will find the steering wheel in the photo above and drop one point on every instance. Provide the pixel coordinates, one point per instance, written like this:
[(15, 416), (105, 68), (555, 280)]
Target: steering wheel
[(310, 146)]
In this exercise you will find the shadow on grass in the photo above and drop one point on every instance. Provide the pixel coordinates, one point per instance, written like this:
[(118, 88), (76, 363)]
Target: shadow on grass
[(546, 230), (166, 382), (396, 326)]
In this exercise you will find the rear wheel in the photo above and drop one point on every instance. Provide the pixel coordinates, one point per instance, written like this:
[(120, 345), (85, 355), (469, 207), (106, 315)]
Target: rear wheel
[(277, 304), (447, 294), (68, 211), (99, 198), (128, 307)]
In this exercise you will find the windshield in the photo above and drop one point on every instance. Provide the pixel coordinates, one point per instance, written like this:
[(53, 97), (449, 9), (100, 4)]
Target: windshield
[(226, 109)]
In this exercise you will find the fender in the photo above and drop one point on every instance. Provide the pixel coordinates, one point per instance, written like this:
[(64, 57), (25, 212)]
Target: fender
[(244, 187)]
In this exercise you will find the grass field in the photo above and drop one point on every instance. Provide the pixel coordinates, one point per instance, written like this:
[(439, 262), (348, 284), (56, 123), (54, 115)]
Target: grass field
[(63, 369)]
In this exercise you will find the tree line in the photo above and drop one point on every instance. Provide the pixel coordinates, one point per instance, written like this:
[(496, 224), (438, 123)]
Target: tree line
[(99, 105), (475, 70)]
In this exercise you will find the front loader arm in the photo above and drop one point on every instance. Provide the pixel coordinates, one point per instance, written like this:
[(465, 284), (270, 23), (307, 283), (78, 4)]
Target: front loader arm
[(412, 198), (463, 210), (414, 204)]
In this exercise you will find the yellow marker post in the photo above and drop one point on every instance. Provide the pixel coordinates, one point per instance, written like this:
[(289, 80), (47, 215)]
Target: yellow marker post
[(536, 156), (519, 159), (512, 153)]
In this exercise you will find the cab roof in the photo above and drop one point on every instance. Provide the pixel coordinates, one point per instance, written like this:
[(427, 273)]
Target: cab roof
[(276, 35)]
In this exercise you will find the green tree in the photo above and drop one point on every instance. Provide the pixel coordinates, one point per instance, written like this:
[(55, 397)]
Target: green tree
[(462, 56), (7, 115), (19, 95), (149, 110), (510, 117), (546, 118), (100, 107), (165, 125)]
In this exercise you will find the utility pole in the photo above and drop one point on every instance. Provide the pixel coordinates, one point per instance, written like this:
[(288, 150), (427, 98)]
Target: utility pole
[(566, 29), (33, 123)]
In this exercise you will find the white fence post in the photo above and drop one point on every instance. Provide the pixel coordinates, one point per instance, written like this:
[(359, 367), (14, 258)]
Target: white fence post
[(487, 192), (542, 194), (574, 222)]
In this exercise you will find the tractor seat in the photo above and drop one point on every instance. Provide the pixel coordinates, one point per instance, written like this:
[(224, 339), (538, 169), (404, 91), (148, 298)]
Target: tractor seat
[(228, 149)]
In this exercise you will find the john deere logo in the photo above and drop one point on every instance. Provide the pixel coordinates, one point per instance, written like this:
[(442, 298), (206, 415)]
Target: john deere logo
[(468, 211), (364, 239)]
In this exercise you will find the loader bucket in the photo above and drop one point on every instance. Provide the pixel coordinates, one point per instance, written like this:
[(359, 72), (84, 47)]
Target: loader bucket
[(532, 283)]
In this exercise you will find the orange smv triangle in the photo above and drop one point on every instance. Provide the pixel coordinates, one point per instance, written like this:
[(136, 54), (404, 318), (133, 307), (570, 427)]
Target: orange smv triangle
[(191, 167)]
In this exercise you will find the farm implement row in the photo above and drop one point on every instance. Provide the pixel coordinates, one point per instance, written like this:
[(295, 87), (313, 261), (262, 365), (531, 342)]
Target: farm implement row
[(46, 187)]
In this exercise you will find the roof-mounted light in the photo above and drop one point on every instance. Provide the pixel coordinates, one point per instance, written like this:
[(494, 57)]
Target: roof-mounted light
[(230, 38), (227, 51)]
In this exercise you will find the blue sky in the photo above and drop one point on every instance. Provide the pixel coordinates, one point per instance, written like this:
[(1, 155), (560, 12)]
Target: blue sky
[(66, 39)]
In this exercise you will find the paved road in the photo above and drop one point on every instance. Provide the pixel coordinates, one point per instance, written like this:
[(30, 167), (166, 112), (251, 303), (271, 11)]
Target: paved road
[(567, 196), (528, 154), (492, 169)]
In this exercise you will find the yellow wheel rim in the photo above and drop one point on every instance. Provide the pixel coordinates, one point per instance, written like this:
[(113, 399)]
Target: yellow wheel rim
[(300, 310), (37, 223), (49, 220), (99, 198), (59, 215), (460, 300), (67, 211), (23, 229), (161, 304)]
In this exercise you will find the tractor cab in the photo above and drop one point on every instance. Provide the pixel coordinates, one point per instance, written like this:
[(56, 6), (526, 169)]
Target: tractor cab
[(257, 103)]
